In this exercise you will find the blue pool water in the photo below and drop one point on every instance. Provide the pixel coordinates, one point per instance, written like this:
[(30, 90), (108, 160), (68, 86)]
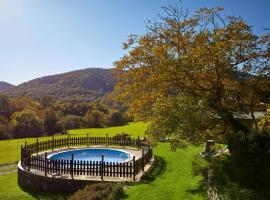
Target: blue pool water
[(110, 155)]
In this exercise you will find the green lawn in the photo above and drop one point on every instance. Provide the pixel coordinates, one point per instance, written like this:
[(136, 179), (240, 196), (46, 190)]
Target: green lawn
[(12, 147), (171, 178)]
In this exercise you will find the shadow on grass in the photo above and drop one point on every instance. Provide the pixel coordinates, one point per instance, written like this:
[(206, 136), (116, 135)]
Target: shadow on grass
[(201, 190), (157, 170), (41, 195)]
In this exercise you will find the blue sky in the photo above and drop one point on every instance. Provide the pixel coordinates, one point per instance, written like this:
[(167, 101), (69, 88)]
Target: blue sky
[(44, 37)]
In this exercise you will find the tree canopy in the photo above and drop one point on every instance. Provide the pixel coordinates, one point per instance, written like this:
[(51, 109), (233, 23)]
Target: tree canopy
[(214, 59)]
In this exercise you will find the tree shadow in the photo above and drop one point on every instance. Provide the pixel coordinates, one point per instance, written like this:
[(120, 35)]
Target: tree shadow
[(201, 190), (41, 195), (157, 170)]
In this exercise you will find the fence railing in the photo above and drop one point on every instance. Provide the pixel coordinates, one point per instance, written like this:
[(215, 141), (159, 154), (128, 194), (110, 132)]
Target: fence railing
[(31, 158)]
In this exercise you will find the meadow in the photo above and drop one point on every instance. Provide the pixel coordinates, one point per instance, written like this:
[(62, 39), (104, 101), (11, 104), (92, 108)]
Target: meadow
[(171, 178)]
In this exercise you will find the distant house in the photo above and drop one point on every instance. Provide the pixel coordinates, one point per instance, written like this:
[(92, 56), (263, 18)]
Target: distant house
[(246, 118)]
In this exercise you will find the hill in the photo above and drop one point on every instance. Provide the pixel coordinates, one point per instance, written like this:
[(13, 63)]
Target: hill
[(87, 84), (5, 86)]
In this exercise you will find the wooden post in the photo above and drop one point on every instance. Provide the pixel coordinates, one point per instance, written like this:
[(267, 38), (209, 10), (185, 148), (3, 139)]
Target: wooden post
[(46, 164), (25, 143), (71, 166), (87, 139), (138, 142), (52, 143), (101, 167), (37, 147), (68, 140), (134, 171), (29, 162), (143, 159), (106, 139)]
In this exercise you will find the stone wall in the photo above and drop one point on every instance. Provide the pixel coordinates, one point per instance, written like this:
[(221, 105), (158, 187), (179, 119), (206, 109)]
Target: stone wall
[(37, 182)]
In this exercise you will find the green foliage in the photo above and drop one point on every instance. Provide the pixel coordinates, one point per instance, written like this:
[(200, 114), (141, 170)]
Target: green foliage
[(250, 158), (99, 191), (94, 119), (5, 106), (199, 166), (50, 121), (4, 129), (26, 124), (117, 119), (71, 122), (183, 119)]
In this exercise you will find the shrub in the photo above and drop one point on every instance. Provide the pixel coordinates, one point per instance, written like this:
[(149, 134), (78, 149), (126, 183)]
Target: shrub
[(199, 166), (250, 159), (117, 119), (99, 191)]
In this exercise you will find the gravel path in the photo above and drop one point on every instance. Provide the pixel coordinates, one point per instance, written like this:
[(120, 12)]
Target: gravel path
[(8, 169)]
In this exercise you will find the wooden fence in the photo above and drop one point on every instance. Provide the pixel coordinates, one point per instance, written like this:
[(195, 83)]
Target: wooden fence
[(31, 158)]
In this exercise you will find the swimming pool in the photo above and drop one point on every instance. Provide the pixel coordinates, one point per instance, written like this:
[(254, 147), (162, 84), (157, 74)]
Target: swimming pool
[(93, 154)]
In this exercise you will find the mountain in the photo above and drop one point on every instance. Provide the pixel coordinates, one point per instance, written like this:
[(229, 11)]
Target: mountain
[(5, 86), (87, 85)]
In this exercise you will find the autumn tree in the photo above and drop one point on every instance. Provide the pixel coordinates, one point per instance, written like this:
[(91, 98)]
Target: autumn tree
[(217, 61), (26, 124), (50, 121)]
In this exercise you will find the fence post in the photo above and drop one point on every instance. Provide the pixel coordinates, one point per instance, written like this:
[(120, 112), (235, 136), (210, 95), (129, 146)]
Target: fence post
[(143, 159), (68, 140), (37, 147), (71, 165), (106, 139), (46, 163), (101, 167), (52, 143), (134, 170), (29, 162), (138, 142), (25, 143)]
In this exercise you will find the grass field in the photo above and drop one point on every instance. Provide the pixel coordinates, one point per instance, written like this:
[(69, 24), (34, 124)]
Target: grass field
[(11, 148), (170, 179)]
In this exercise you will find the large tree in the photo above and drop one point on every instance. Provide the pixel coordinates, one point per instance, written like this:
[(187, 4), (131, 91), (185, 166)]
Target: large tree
[(217, 60)]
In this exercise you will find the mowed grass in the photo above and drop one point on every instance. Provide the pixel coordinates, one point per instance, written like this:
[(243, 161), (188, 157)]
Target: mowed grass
[(10, 149), (170, 179)]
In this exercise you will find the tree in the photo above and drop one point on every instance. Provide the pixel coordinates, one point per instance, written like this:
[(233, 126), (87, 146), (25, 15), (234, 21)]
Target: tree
[(50, 121), (94, 119), (71, 122), (218, 60), (117, 119), (26, 124), (4, 129), (5, 106)]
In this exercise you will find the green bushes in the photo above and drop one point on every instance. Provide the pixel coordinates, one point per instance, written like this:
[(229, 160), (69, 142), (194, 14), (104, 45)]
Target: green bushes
[(100, 191), (250, 156)]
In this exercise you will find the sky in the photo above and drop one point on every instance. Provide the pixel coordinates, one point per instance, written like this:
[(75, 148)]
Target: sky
[(45, 37)]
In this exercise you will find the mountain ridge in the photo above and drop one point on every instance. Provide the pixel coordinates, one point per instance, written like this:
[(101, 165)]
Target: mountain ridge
[(5, 86), (89, 84)]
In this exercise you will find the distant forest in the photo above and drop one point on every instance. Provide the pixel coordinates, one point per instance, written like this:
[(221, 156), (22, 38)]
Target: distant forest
[(55, 104)]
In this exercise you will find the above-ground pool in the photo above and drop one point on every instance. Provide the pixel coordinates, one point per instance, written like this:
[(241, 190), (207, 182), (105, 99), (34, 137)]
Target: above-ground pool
[(93, 154)]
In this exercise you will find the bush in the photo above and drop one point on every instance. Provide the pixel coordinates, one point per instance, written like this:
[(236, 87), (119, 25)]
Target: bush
[(100, 191), (199, 166), (117, 119), (71, 122), (250, 160)]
